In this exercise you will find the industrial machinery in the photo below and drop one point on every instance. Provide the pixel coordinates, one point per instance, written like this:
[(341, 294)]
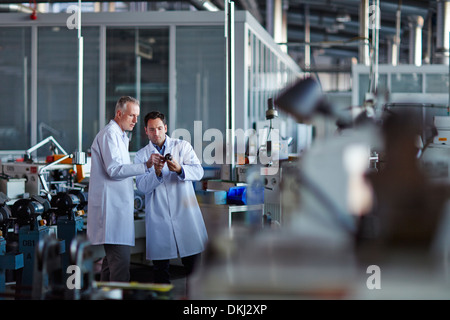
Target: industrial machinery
[(13, 188), (435, 154), (53, 175), (30, 171), (69, 208), (8, 261), (81, 256), (46, 199), (48, 282), (31, 229), (139, 202), (5, 213)]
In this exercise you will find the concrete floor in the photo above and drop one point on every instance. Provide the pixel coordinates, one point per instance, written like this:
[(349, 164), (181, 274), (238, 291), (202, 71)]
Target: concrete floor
[(144, 274), (141, 273)]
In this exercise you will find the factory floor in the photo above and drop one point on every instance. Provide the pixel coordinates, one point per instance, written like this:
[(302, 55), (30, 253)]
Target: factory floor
[(138, 273), (144, 274)]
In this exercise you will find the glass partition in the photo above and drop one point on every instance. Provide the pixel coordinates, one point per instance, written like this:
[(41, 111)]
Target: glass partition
[(137, 64), (130, 55), (57, 89), (406, 82), (15, 67), (436, 83), (200, 78)]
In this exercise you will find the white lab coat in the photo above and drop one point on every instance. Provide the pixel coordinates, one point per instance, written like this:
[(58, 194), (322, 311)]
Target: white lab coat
[(173, 220), (110, 216)]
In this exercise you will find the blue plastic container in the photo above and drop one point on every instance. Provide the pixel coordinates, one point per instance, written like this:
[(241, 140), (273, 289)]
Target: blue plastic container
[(245, 195)]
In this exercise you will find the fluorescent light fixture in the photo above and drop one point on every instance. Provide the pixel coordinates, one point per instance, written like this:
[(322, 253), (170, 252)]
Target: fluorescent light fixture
[(209, 6), (343, 17)]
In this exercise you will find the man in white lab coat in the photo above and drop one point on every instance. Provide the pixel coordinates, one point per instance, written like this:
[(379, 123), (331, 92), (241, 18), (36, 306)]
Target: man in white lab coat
[(174, 222), (110, 220)]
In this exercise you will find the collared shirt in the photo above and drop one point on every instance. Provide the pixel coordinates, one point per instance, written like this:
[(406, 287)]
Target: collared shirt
[(161, 150)]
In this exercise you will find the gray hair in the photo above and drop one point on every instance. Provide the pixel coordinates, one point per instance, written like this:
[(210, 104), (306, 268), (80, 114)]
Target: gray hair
[(122, 103)]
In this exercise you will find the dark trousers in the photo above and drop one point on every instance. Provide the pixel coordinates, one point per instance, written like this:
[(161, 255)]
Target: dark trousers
[(116, 263), (161, 272)]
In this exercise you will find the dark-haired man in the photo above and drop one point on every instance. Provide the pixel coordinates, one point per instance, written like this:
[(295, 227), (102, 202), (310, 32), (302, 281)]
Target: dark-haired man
[(174, 222)]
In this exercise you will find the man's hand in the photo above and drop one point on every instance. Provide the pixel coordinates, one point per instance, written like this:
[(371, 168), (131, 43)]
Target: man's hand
[(174, 166), (157, 161)]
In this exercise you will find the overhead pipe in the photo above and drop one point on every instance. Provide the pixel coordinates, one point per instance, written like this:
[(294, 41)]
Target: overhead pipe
[(442, 32), (429, 20), (397, 39), (277, 20), (392, 51), (204, 5), (415, 39), (269, 16), (364, 32), (284, 17), (15, 8), (307, 39), (375, 44)]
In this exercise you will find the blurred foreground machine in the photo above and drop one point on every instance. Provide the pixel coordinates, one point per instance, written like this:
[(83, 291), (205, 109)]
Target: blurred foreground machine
[(436, 155), (49, 284), (341, 219)]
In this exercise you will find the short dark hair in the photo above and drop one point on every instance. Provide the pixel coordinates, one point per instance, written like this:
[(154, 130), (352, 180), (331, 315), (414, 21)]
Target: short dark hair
[(154, 115)]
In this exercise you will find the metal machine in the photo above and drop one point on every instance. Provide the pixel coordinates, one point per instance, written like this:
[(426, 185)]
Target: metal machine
[(60, 174), (69, 208), (31, 229), (81, 256), (49, 282), (47, 278), (13, 188), (53, 175), (8, 261)]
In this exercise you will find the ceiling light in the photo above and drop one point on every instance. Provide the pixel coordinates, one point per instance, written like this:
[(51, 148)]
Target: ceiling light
[(343, 17)]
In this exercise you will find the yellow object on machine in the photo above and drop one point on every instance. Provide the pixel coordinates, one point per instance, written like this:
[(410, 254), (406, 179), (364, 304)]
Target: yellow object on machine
[(157, 291)]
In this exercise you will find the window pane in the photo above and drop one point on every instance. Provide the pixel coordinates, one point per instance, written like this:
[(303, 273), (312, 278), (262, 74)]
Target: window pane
[(437, 83), (137, 64), (15, 63), (406, 82), (57, 113), (200, 78), (364, 85)]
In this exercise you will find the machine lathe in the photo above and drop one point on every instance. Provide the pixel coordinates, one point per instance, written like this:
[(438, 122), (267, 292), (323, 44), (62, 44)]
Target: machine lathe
[(8, 261), (28, 222)]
